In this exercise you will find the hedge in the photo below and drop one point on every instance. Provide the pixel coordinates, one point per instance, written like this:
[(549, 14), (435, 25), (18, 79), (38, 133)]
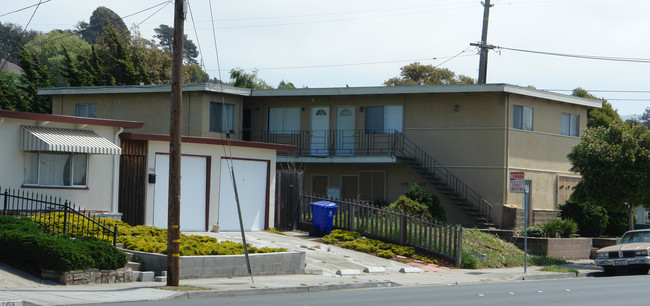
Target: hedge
[(24, 245)]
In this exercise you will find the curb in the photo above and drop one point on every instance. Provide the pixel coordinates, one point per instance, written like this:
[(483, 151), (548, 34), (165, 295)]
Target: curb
[(549, 276), (261, 291)]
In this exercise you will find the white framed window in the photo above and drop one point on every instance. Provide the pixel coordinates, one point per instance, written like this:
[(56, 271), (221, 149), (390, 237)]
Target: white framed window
[(283, 120), (57, 169), (522, 117), (570, 124), (86, 110), (386, 119), (222, 117)]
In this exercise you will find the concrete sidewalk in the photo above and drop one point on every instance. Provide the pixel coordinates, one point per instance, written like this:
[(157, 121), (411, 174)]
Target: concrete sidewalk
[(330, 268)]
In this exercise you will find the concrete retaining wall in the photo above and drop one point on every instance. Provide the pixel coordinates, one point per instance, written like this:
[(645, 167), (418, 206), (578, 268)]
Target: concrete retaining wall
[(281, 263), (90, 276), (567, 248)]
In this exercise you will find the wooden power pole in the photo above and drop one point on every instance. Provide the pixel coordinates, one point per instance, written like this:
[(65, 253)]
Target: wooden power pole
[(483, 45), (174, 195)]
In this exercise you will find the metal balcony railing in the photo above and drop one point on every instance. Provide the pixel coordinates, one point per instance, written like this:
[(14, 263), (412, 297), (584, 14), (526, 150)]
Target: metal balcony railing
[(341, 143), (330, 143)]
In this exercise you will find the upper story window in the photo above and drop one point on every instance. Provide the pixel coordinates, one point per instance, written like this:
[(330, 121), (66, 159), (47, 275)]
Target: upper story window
[(522, 117), (284, 120), (56, 169), (570, 124), (222, 117), (86, 110), (384, 119)]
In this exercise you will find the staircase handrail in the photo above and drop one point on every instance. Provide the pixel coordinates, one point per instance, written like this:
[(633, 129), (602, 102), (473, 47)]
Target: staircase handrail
[(404, 147)]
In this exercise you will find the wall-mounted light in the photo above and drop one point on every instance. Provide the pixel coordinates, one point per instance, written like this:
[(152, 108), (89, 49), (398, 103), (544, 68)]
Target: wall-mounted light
[(456, 107), (302, 109), (361, 109)]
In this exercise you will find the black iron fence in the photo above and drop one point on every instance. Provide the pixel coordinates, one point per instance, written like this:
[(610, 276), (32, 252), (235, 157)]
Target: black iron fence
[(424, 235), (55, 215)]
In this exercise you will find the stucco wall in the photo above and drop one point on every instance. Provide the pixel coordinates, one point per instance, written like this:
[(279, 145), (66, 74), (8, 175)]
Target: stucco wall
[(154, 110), (98, 195)]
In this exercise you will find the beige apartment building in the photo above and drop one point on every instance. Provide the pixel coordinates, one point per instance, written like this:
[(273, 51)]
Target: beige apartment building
[(461, 142)]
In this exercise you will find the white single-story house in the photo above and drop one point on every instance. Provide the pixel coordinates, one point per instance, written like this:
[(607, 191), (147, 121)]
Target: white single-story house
[(72, 158)]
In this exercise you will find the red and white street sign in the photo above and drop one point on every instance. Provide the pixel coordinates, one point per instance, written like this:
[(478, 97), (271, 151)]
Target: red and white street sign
[(517, 182)]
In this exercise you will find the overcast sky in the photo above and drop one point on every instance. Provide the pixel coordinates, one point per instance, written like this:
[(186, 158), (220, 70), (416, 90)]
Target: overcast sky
[(336, 43)]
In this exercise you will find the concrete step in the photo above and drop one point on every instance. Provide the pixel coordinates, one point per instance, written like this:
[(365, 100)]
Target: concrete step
[(135, 266)]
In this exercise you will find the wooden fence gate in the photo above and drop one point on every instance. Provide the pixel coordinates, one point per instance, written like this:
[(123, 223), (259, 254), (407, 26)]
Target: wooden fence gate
[(287, 204), (133, 171)]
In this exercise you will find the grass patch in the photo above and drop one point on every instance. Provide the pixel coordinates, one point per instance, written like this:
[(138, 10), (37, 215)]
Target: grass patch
[(183, 288), (274, 231), (546, 261), (554, 268)]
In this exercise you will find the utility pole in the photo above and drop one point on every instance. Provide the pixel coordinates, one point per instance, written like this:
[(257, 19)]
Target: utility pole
[(483, 45), (174, 195)]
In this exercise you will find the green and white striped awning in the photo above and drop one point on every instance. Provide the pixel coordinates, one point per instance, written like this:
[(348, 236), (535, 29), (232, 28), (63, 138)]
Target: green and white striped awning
[(36, 138)]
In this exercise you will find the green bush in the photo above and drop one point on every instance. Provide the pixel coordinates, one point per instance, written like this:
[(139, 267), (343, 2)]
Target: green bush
[(557, 228), (469, 260), (535, 231), (592, 220), (23, 244), (617, 224), (388, 254), (410, 207), (431, 201)]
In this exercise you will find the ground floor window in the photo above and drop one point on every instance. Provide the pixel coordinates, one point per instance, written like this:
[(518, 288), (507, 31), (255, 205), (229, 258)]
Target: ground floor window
[(372, 185), (58, 169)]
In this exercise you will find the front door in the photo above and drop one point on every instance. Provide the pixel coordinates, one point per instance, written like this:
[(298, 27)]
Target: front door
[(344, 138), (320, 124)]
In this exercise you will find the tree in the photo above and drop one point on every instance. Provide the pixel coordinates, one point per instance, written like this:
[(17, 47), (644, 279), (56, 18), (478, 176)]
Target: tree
[(12, 37), (645, 118), (614, 163), (12, 97), (596, 117), (418, 74), (165, 35), (49, 48), (101, 18), (194, 74), (71, 73), (35, 75), (284, 84), (242, 79), (116, 59)]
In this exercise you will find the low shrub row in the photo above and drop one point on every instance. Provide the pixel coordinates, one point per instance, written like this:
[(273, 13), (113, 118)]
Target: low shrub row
[(354, 241), (556, 228), (23, 244), (154, 240)]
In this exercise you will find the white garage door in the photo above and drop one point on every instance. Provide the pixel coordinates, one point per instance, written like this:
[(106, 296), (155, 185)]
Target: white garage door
[(193, 192), (251, 188)]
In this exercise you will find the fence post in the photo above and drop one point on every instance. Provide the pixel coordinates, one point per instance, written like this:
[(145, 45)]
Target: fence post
[(351, 226), (402, 229), (115, 235), (459, 248), (4, 210), (65, 217)]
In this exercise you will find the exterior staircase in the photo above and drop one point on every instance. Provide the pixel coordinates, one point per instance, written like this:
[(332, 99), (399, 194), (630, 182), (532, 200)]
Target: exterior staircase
[(475, 206)]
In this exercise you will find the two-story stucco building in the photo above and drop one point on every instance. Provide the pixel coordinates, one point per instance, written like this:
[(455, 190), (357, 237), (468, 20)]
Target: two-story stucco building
[(372, 143)]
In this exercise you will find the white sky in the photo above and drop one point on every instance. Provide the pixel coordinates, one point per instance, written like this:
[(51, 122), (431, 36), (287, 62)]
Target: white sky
[(365, 42)]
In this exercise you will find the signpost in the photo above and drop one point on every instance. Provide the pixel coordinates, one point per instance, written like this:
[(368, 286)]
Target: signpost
[(518, 185)]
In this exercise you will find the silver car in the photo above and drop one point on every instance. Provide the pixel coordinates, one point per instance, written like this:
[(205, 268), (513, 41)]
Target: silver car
[(630, 253)]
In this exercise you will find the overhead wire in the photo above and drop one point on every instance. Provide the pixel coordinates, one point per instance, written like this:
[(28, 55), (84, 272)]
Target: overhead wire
[(228, 154), (202, 64), (21, 34), (24, 8), (592, 57)]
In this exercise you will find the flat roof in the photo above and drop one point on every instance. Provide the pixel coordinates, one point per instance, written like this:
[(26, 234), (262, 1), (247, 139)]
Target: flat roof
[(331, 91), (71, 119), (92, 90), (427, 89)]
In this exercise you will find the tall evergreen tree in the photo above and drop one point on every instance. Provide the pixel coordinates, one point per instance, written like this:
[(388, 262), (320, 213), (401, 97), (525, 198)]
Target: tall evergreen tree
[(71, 73), (35, 76)]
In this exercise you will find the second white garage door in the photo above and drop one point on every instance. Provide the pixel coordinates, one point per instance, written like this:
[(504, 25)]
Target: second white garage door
[(251, 178)]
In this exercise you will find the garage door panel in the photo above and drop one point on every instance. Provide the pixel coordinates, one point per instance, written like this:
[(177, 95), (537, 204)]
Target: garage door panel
[(251, 178), (193, 208)]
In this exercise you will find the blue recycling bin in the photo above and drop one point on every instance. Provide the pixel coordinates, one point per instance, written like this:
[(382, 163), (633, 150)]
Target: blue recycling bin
[(322, 213)]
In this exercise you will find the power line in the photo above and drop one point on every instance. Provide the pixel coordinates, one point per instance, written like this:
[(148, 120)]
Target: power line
[(24, 8), (358, 64), (21, 34), (592, 57)]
